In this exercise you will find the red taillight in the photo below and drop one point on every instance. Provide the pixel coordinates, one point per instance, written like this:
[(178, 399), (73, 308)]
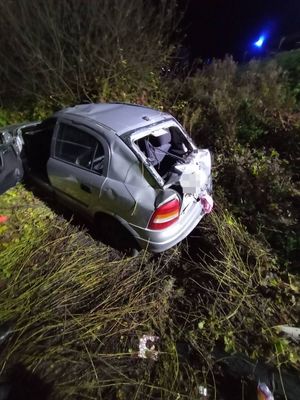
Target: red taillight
[(165, 215)]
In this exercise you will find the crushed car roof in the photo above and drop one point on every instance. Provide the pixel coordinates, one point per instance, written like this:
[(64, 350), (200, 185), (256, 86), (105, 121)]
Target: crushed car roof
[(120, 117)]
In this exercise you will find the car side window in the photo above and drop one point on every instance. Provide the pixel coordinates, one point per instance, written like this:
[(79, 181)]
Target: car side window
[(78, 147), (98, 161)]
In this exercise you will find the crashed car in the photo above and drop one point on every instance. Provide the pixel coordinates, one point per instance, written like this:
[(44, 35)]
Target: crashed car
[(130, 163)]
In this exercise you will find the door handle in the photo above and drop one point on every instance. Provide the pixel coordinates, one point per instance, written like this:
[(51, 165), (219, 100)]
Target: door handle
[(85, 188)]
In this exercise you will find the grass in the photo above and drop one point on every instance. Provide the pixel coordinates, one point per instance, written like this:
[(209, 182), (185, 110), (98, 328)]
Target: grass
[(77, 313), (28, 225)]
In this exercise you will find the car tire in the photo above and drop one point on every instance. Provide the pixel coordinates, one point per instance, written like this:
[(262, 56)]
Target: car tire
[(112, 233)]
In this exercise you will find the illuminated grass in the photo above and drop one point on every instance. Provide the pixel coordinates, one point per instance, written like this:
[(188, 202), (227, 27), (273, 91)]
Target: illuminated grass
[(28, 223), (77, 314)]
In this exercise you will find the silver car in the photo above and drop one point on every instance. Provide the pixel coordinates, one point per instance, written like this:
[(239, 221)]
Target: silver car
[(123, 163)]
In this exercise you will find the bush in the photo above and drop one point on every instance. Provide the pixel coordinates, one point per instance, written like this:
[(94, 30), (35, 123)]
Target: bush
[(224, 103), (290, 62), (74, 51), (259, 188), (247, 116)]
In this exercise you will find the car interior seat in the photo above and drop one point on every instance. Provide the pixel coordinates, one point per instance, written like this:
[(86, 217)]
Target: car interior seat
[(158, 147)]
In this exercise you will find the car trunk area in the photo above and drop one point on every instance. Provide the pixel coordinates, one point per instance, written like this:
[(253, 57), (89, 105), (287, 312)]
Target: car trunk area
[(164, 148), (174, 159)]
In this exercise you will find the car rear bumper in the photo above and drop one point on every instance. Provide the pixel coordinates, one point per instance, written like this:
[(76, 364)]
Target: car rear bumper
[(158, 241)]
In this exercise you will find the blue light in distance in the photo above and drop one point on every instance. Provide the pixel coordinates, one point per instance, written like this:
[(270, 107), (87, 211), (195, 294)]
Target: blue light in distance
[(259, 43)]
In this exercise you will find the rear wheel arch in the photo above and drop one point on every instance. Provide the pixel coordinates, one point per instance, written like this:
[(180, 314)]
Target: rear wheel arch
[(115, 231)]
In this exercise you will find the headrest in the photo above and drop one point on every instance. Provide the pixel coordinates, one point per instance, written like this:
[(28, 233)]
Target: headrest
[(158, 141)]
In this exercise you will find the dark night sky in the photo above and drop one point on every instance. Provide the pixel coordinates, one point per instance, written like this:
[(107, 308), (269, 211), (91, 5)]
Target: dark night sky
[(217, 27)]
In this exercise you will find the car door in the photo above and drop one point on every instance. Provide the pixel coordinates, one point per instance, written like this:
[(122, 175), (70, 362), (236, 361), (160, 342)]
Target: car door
[(78, 164), (11, 169)]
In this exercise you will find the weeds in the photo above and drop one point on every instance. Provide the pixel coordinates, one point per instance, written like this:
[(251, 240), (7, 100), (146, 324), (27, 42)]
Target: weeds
[(79, 52), (27, 226), (248, 116), (77, 315), (236, 291)]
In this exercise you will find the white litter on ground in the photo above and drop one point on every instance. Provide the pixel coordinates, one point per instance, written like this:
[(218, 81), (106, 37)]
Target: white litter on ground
[(147, 347)]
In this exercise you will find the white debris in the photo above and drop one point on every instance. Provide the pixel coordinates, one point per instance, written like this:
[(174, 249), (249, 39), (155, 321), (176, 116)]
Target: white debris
[(194, 176), (290, 331), (263, 392), (193, 180), (147, 347), (202, 391)]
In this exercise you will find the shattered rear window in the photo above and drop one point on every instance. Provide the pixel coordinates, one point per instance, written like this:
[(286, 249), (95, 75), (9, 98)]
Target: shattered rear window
[(164, 147)]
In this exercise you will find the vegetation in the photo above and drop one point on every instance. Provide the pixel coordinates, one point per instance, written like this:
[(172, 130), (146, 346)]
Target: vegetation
[(75, 309), (77, 313), (75, 51), (249, 118), (290, 61)]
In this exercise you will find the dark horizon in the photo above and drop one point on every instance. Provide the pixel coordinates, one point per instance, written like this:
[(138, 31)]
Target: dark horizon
[(214, 28)]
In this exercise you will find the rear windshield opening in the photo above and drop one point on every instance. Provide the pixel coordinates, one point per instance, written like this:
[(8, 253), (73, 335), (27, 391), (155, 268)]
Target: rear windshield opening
[(164, 148)]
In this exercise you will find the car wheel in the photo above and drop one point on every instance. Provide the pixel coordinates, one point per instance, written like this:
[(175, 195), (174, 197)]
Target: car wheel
[(111, 232)]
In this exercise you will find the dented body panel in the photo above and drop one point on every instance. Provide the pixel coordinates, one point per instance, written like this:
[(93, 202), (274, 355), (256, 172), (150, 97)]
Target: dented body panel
[(127, 161)]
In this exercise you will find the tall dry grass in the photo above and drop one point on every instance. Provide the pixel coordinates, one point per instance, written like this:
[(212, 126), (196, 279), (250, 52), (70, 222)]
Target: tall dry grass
[(76, 313)]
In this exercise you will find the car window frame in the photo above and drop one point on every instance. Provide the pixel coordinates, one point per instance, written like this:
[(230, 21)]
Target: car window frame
[(87, 130)]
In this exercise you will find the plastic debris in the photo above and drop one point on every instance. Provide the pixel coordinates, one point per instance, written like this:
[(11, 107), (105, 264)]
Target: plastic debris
[(263, 392), (194, 175), (202, 390), (147, 347), (207, 203), (3, 219), (290, 331)]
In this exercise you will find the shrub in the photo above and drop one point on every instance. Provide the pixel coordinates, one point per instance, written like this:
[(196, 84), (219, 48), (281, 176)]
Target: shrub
[(247, 115), (259, 187), (290, 62), (74, 51), (224, 103)]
